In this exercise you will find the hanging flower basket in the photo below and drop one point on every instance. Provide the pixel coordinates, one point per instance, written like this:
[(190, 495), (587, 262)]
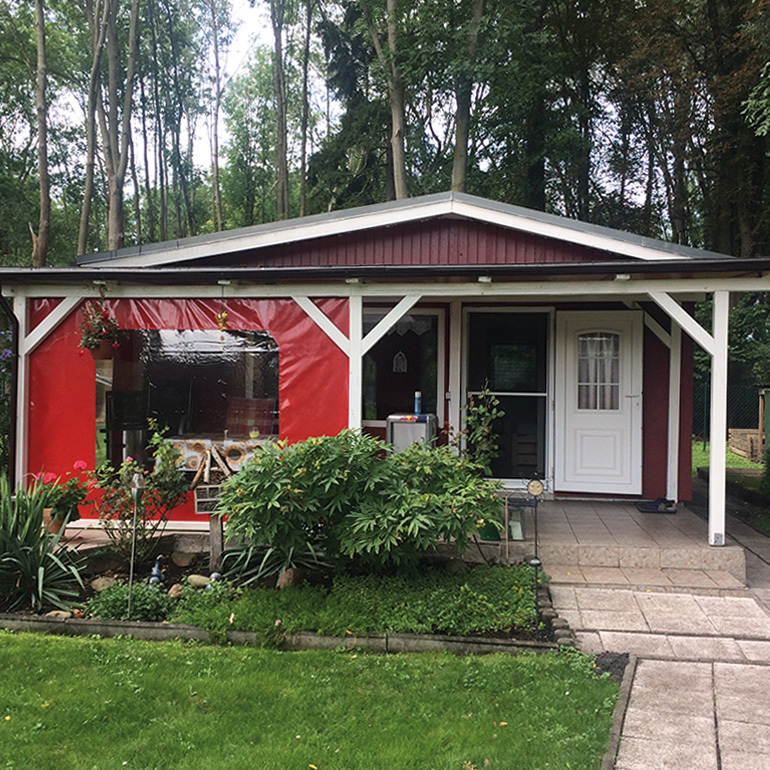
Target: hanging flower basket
[(103, 351), (99, 330)]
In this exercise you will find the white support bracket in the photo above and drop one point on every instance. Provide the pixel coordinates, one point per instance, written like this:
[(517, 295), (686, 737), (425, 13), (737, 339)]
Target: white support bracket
[(684, 319), (324, 322), (29, 342), (392, 317)]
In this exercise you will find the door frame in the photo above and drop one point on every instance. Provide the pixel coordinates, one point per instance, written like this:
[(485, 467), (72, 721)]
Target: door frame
[(549, 311), (600, 320)]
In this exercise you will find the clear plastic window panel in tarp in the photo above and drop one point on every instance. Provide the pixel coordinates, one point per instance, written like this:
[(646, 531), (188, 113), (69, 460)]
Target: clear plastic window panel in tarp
[(206, 387)]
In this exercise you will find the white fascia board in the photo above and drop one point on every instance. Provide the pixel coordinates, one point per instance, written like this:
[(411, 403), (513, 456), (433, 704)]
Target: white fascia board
[(295, 232), (557, 231)]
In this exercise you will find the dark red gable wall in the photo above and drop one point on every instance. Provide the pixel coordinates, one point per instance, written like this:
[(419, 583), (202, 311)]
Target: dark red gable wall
[(433, 242)]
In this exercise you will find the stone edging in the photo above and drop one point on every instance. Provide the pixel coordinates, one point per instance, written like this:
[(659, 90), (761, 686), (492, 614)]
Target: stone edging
[(388, 643), (619, 714)]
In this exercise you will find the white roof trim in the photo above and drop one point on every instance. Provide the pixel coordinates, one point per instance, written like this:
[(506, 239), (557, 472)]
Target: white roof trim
[(400, 212)]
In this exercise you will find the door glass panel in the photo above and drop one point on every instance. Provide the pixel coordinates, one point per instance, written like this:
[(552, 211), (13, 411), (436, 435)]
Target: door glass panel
[(598, 371), (508, 351)]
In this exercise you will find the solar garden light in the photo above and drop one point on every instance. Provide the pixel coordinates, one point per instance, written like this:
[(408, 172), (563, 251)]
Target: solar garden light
[(137, 484), (535, 563), (535, 489)]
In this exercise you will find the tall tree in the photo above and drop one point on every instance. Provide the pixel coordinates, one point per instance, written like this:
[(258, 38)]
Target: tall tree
[(41, 239)]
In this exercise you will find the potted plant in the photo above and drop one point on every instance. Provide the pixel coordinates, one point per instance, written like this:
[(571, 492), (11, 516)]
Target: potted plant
[(62, 496), (98, 330)]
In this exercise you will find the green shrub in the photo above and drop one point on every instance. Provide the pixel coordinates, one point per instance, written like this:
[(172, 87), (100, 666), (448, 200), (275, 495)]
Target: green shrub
[(345, 495), (163, 489), (36, 570), (764, 482), (148, 602)]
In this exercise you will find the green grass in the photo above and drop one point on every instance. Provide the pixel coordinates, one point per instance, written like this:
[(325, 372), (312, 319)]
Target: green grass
[(700, 458), (485, 599), (93, 703)]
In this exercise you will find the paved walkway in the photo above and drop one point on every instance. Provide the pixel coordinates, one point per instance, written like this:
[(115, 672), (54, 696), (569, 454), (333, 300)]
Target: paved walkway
[(699, 698)]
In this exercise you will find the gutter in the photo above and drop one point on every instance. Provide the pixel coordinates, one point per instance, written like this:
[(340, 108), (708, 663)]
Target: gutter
[(5, 305)]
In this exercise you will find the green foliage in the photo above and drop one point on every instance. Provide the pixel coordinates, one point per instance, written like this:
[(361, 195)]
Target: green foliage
[(36, 570), (63, 495), (344, 495), (483, 600), (481, 445), (249, 563), (764, 482), (428, 494), (148, 602), (162, 489)]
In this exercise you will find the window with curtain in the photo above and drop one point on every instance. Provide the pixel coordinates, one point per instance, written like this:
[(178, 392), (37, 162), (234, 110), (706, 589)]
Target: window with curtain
[(599, 371)]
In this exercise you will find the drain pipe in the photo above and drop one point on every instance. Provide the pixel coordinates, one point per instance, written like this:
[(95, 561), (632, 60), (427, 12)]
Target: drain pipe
[(8, 310)]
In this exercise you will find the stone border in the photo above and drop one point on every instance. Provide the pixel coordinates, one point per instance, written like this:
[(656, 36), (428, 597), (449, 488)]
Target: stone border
[(619, 714), (387, 643)]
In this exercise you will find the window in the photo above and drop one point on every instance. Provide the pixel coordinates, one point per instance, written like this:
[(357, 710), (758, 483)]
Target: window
[(599, 371), (204, 386), (405, 360)]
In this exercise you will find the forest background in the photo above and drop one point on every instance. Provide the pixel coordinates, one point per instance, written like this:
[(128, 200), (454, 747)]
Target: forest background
[(120, 123)]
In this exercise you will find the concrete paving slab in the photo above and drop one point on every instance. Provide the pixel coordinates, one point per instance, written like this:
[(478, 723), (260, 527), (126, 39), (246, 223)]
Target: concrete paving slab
[(755, 651), (671, 700), (724, 579), (646, 577), (604, 575), (688, 578), (640, 723), (613, 621), (606, 599), (746, 628), (684, 674), (563, 597), (679, 623), (639, 644), (663, 602), (641, 754), (738, 708), (589, 642), (743, 736), (750, 681), (572, 617), (744, 760), (704, 648), (732, 606)]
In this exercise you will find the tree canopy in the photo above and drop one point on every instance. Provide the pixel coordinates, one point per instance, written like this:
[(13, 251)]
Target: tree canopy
[(651, 116)]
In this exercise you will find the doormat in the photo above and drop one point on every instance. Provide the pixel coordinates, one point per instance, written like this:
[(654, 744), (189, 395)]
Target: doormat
[(659, 505)]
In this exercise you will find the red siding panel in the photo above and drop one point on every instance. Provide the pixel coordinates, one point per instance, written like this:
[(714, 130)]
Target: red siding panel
[(433, 242)]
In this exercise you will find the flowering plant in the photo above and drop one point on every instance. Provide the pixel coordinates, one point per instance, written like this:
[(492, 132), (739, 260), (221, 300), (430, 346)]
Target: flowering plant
[(63, 495), (97, 326)]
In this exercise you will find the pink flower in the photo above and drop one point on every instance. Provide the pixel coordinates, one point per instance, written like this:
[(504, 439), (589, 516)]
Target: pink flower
[(49, 478), (80, 465), (129, 459)]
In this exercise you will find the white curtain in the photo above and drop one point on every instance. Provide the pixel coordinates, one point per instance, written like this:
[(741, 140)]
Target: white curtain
[(598, 370)]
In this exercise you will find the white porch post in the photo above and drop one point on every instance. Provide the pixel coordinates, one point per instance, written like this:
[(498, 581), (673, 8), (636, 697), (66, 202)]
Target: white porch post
[(355, 362), (674, 394), (22, 390), (720, 325), (455, 364)]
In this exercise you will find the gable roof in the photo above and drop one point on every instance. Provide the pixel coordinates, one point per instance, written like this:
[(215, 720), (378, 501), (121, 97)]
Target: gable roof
[(441, 205)]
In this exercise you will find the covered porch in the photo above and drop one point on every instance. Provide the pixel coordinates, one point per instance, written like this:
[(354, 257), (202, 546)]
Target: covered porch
[(613, 543)]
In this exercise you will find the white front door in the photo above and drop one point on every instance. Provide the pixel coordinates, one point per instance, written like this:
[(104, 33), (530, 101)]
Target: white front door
[(599, 402)]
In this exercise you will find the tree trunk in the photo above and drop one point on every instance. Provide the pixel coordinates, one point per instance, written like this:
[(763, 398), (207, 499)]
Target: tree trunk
[(277, 8), (463, 89), (305, 108), (396, 95), (98, 36), (40, 241), (215, 191)]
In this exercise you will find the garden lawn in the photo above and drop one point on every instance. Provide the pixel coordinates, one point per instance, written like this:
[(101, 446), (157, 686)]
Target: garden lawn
[(113, 703), (701, 459)]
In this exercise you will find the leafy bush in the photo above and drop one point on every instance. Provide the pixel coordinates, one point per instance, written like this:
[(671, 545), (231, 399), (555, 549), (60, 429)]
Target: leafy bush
[(345, 495), (248, 563), (148, 602), (484, 600), (36, 570), (163, 488), (764, 482)]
